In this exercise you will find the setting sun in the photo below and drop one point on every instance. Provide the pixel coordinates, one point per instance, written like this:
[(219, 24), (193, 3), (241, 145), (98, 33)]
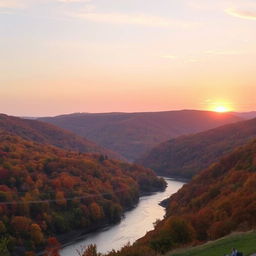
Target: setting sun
[(221, 109)]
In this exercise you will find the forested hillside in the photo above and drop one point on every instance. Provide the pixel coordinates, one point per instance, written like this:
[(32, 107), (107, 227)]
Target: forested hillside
[(218, 201), (45, 192), (49, 134), (187, 155), (133, 134)]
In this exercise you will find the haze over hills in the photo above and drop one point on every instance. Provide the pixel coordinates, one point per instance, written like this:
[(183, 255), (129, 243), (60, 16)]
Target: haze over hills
[(245, 115), (133, 134), (49, 134), (187, 155)]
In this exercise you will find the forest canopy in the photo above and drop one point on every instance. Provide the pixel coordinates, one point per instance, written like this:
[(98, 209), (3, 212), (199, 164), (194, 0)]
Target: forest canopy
[(46, 191)]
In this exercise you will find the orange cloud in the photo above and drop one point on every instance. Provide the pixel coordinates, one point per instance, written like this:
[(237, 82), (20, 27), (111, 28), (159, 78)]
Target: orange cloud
[(17, 4), (11, 4), (250, 15), (74, 1), (130, 19)]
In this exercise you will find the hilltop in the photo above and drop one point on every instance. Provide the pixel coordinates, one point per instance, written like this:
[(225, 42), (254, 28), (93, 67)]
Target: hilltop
[(45, 133), (245, 115)]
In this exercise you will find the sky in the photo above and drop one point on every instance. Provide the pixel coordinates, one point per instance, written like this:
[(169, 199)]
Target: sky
[(65, 56)]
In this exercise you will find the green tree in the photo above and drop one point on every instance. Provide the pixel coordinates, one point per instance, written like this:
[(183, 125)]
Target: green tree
[(91, 250), (4, 247)]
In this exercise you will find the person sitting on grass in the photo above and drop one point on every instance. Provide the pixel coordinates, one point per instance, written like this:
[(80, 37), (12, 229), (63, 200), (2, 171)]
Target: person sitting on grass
[(234, 252)]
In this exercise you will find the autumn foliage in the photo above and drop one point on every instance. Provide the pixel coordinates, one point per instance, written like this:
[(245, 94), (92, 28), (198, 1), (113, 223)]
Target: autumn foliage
[(222, 198), (134, 134), (45, 133), (45, 192), (185, 156), (218, 201)]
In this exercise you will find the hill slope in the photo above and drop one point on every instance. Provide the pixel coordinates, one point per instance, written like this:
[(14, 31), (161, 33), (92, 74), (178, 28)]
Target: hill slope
[(245, 115), (133, 134), (244, 242), (49, 134), (46, 191), (186, 155), (218, 201), (225, 188)]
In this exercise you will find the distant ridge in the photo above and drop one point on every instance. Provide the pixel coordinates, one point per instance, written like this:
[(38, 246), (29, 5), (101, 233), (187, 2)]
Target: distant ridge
[(45, 133), (133, 134), (246, 115), (187, 155)]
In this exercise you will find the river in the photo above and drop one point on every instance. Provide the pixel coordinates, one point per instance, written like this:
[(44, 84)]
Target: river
[(135, 224)]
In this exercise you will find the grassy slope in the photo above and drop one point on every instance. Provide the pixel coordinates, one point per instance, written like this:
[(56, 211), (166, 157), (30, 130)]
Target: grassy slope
[(244, 242)]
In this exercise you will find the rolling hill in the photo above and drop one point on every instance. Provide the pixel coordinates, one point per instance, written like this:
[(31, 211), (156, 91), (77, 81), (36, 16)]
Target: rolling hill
[(221, 198), (187, 155), (245, 115), (216, 202), (46, 191), (45, 133), (133, 134)]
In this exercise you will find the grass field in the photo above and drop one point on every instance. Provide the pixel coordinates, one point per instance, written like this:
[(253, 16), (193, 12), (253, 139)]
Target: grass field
[(244, 242)]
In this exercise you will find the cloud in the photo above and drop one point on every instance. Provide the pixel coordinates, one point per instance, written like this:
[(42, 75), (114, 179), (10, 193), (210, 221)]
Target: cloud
[(191, 61), (201, 5), (245, 9), (224, 52), (169, 57), (243, 14), (74, 1), (11, 4), (130, 19), (17, 4)]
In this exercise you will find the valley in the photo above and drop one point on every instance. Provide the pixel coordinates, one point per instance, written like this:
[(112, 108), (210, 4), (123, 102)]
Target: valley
[(134, 134), (52, 193), (187, 155), (127, 128)]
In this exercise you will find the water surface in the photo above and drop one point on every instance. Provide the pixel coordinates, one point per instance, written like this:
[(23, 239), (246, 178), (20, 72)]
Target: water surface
[(135, 224)]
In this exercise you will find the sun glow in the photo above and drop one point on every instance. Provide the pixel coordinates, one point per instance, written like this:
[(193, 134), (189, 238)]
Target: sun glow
[(220, 106), (221, 109)]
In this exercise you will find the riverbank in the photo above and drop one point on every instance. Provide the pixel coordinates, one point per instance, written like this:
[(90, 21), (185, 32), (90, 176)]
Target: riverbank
[(78, 235), (75, 236), (134, 224), (176, 178)]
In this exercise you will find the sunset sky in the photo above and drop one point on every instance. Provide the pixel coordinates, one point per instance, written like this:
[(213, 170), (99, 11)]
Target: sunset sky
[(64, 56)]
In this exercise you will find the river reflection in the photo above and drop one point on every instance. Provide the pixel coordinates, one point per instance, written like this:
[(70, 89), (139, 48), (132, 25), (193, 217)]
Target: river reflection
[(134, 225)]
